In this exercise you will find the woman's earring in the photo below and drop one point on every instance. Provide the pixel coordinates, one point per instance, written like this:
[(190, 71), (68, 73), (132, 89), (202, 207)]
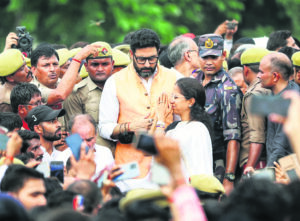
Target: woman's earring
[(190, 105)]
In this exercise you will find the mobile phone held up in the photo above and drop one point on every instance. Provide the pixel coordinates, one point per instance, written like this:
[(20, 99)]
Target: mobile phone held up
[(74, 142), (145, 142), (57, 170), (131, 170), (3, 141), (265, 105)]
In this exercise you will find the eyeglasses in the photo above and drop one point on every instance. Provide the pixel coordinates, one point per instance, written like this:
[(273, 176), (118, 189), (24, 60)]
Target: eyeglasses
[(142, 60), (192, 51)]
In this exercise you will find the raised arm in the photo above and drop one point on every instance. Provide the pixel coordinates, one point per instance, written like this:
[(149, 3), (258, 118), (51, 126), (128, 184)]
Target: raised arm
[(65, 87)]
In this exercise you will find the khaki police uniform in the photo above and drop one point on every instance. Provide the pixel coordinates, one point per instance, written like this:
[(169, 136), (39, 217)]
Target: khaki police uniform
[(10, 61), (85, 99), (253, 127), (45, 92)]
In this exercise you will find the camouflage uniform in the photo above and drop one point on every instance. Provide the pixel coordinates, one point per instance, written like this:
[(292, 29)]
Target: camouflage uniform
[(223, 104)]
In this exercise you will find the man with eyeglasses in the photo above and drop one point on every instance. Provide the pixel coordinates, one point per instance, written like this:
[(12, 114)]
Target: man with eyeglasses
[(223, 104), (86, 95), (44, 121), (23, 98), (13, 70), (130, 97), (183, 53)]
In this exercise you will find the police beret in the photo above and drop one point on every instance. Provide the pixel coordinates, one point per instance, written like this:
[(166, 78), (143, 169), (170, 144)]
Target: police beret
[(296, 59), (28, 61), (83, 72), (63, 54), (207, 183), (104, 51), (253, 55), (10, 61), (120, 57), (74, 51), (149, 195), (123, 47), (210, 44)]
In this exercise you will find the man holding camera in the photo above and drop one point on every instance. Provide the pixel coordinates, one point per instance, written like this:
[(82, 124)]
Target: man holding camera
[(130, 96)]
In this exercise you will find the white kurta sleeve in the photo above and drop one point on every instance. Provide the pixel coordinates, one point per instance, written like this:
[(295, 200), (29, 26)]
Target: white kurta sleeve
[(108, 109)]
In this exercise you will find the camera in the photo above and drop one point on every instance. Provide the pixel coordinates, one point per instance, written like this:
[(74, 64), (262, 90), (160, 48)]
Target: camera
[(231, 25), (24, 42)]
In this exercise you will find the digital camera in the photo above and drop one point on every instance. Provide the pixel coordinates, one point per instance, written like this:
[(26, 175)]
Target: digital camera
[(24, 42)]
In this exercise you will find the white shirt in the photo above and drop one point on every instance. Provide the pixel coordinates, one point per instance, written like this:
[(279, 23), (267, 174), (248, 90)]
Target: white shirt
[(53, 157), (196, 147), (109, 104), (103, 157)]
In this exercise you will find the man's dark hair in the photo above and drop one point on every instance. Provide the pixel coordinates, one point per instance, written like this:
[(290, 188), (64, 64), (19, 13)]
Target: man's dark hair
[(277, 39), (86, 116), (11, 209), (144, 38), (63, 214), (146, 210), (79, 44), (90, 192), (110, 211), (41, 51), (288, 51), (253, 67), (10, 120), (22, 94), (257, 199), (16, 176), (25, 157), (52, 185), (61, 199), (127, 38), (26, 136)]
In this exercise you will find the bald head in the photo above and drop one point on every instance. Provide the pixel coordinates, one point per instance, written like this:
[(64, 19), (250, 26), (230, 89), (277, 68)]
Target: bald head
[(85, 126), (280, 63)]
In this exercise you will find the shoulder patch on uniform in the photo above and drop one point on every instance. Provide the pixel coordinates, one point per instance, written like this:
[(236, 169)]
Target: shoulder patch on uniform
[(80, 84), (228, 88)]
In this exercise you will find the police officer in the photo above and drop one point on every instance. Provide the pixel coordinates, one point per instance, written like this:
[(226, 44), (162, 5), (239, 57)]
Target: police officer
[(86, 95), (253, 127), (223, 104), (13, 70)]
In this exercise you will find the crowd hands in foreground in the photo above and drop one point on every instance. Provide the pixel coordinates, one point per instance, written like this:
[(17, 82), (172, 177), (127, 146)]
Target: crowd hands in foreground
[(139, 131)]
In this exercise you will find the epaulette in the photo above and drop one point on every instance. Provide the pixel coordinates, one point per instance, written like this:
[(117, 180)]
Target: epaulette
[(80, 85)]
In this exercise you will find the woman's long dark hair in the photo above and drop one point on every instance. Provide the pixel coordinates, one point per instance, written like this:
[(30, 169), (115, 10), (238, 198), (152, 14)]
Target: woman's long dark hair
[(191, 88)]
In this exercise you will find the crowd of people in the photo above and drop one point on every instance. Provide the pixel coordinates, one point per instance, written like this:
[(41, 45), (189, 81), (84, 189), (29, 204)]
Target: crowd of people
[(142, 131)]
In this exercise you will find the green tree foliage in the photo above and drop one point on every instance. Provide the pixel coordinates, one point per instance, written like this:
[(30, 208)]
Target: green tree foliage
[(69, 21)]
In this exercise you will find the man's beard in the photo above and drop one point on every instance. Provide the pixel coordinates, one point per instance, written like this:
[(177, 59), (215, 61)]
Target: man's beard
[(144, 74), (51, 136)]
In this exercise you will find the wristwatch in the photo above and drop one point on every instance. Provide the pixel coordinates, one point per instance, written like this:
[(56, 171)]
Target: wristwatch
[(229, 176)]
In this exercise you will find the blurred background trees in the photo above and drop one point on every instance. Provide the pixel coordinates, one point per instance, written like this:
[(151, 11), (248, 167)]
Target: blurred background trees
[(69, 21)]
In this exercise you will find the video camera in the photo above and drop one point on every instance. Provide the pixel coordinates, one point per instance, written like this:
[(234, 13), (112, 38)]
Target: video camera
[(24, 42)]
